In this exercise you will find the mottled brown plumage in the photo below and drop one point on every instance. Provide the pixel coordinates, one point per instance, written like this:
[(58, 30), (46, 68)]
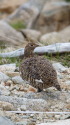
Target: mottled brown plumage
[(38, 70)]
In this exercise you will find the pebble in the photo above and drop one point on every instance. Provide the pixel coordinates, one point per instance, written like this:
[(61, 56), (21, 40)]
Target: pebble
[(3, 77), (18, 80), (6, 106)]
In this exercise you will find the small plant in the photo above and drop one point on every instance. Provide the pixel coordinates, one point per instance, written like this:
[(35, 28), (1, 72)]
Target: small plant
[(63, 58), (10, 60), (18, 25)]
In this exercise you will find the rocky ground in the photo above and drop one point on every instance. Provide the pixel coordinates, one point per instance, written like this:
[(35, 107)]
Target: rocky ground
[(16, 95), (21, 22)]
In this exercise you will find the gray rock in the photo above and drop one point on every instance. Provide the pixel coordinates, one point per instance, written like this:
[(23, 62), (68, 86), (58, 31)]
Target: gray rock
[(3, 77), (17, 80), (56, 12), (30, 104), (5, 121), (57, 47), (15, 53), (61, 122), (25, 13), (9, 35), (59, 67)]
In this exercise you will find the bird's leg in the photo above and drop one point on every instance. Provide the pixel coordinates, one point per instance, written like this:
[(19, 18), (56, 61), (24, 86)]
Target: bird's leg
[(58, 87)]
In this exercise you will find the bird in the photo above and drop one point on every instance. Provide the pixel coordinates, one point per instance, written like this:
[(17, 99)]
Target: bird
[(37, 70)]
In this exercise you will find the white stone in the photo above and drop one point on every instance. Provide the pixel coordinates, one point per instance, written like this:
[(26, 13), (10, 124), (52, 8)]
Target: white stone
[(8, 67), (59, 67)]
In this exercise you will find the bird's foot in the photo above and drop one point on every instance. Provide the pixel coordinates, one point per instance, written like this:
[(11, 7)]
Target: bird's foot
[(58, 87), (39, 90)]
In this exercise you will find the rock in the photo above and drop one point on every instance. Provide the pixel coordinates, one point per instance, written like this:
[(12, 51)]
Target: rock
[(9, 6), (37, 105), (3, 77), (31, 89), (8, 67), (4, 91), (30, 104), (66, 84), (6, 106), (54, 48), (31, 35), (9, 36), (56, 12), (23, 108), (26, 14), (56, 37), (60, 122), (8, 83), (17, 80), (51, 38), (15, 53), (64, 34), (59, 67), (12, 74), (5, 121)]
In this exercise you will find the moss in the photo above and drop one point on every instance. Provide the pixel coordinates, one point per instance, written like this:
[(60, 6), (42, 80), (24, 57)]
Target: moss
[(18, 25)]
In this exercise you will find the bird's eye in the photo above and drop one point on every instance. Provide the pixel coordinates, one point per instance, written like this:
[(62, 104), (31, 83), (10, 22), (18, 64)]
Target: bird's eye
[(31, 44)]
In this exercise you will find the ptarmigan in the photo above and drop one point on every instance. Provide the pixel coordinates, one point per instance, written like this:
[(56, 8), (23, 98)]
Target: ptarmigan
[(37, 70)]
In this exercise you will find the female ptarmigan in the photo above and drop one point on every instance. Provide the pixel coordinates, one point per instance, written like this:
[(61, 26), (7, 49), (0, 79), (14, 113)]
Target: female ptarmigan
[(37, 70)]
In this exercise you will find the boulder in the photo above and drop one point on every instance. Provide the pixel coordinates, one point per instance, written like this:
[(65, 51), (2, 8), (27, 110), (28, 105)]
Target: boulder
[(54, 17), (65, 34), (9, 35), (51, 38), (31, 35), (8, 6), (27, 13), (56, 37)]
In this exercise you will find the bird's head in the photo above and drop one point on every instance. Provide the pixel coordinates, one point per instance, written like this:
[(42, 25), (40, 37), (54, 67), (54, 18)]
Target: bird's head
[(29, 49)]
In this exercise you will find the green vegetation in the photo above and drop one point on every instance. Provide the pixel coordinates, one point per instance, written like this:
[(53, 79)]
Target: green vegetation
[(8, 60), (18, 25), (67, 0), (63, 58)]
